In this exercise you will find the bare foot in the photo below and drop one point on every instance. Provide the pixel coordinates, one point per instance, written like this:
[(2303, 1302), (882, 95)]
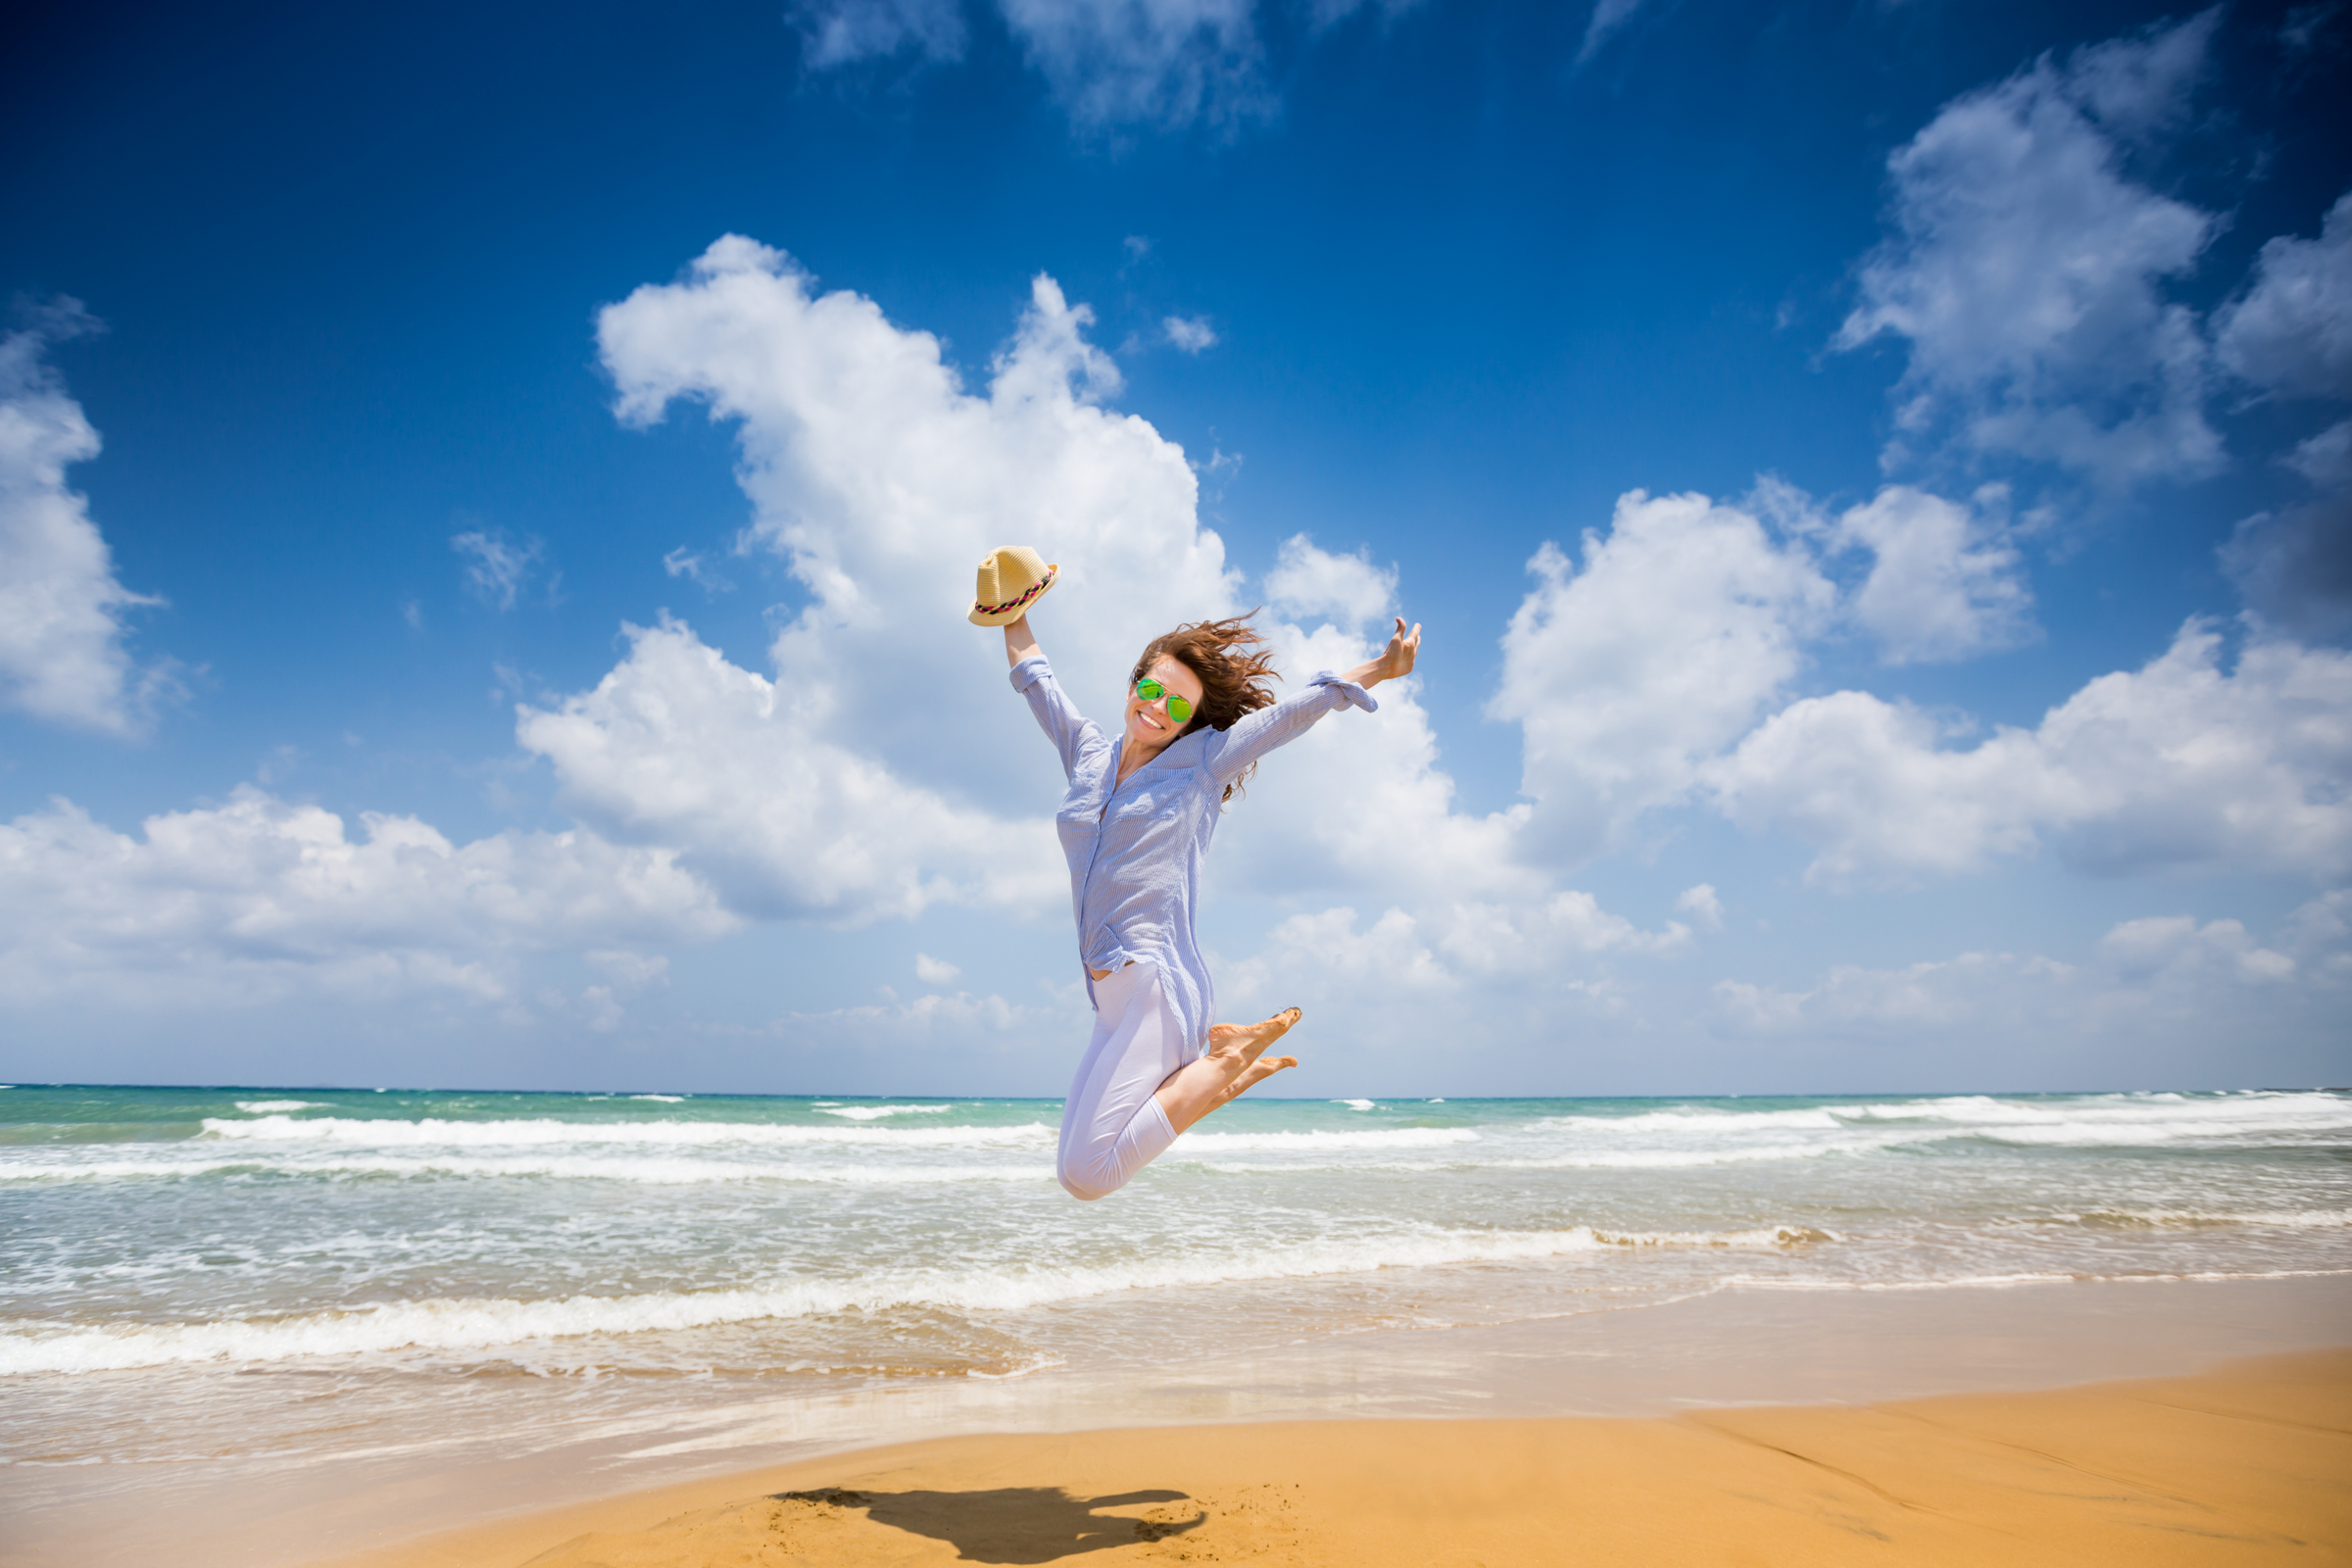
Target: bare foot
[(1257, 1072), (1230, 1065), (1243, 1042)]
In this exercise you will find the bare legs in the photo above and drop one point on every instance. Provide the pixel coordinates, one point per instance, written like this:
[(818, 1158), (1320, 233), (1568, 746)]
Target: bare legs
[(1235, 1063)]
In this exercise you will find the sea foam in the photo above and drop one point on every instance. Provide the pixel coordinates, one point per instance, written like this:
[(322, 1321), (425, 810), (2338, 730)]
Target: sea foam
[(473, 1325), (675, 1172), (524, 1132)]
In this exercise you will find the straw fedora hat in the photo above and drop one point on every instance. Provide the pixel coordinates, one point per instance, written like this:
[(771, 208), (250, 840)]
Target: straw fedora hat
[(1011, 579)]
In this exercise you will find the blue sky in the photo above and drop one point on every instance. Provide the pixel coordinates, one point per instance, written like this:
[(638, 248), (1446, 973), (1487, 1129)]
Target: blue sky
[(482, 503)]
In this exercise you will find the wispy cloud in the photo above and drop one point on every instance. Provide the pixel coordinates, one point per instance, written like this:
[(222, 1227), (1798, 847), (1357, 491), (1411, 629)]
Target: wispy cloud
[(840, 33), (1114, 66), (1608, 16), (1115, 63), (1192, 334), (691, 566), (497, 567)]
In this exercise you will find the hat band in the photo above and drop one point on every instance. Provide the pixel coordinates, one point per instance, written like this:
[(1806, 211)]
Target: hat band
[(1035, 588)]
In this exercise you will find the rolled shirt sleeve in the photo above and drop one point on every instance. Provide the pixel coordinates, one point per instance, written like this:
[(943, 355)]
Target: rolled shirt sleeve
[(1350, 695)]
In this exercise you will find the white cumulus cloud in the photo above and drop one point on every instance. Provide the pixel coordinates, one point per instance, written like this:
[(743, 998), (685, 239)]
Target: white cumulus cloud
[(1359, 807), (2294, 567), (877, 764), (680, 748), (2153, 946), (2292, 330), (259, 897), (954, 1043), (2180, 763), (1944, 582), (2141, 1008), (2027, 272), (1542, 945), (1308, 583), (1702, 904), (2326, 459), (1627, 675), (2291, 334), (886, 764), (64, 653), (882, 481)]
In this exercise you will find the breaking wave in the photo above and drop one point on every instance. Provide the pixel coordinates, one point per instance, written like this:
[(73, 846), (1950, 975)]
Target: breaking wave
[(471, 1325)]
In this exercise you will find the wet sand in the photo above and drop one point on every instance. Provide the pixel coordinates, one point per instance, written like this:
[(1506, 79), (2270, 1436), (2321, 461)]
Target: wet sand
[(2249, 1462), (1668, 1377)]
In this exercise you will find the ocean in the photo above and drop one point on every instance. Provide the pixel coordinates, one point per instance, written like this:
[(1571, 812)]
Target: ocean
[(273, 1277)]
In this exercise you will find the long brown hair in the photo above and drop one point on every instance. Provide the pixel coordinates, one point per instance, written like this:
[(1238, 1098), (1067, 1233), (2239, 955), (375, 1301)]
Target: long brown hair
[(1229, 658)]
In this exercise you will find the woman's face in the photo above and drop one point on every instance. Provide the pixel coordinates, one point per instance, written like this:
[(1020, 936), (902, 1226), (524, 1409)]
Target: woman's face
[(1148, 725)]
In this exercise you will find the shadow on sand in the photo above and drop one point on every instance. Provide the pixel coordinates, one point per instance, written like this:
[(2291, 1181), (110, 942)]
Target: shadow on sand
[(1014, 1524)]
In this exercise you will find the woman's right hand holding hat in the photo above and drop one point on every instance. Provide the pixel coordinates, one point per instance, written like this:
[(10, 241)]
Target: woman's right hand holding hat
[(1011, 579)]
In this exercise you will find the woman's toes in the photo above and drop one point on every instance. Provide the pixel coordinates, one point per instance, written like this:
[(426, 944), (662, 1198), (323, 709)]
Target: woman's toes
[(1257, 1073)]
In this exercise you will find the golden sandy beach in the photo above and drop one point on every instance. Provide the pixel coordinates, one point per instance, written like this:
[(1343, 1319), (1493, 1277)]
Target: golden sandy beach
[(2251, 1463)]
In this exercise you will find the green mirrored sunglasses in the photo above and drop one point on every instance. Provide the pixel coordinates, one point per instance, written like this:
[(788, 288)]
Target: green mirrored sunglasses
[(1151, 691)]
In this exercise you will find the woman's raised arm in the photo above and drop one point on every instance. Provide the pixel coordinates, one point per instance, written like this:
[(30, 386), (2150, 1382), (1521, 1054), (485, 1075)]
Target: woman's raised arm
[(1394, 661), (1254, 734), (1021, 643), (1073, 734)]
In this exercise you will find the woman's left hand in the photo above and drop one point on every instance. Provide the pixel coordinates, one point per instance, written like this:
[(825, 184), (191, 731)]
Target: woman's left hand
[(1394, 661)]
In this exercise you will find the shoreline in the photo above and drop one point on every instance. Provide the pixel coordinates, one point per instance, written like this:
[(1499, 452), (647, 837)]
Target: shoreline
[(2246, 1463), (1729, 1350)]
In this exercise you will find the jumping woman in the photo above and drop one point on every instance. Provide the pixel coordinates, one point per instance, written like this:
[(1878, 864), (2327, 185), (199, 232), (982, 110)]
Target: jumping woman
[(1136, 823)]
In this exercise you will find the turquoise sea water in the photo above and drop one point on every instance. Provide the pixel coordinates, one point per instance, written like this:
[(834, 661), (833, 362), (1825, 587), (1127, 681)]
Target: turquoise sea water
[(309, 1273)]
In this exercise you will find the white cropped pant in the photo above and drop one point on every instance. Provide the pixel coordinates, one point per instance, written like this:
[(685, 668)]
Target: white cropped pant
[(1111, 1125)]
